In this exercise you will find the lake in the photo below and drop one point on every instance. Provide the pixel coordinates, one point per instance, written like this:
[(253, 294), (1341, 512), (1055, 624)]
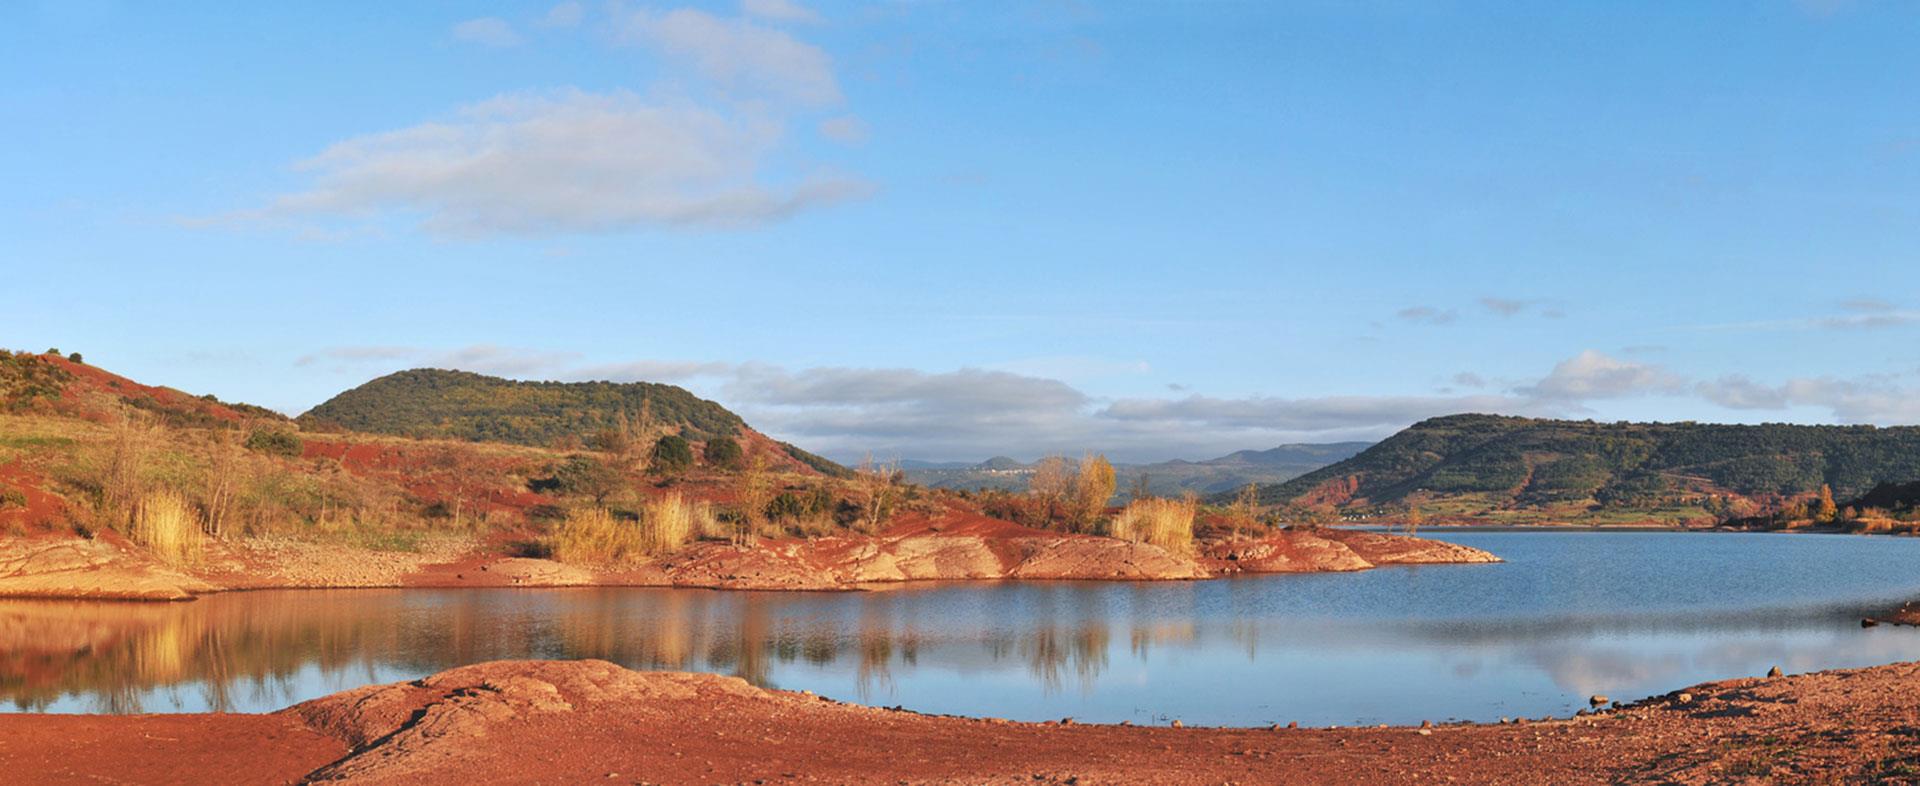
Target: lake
[(1570, 614)]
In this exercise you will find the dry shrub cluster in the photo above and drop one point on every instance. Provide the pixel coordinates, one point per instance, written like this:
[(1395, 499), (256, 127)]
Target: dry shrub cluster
[(1167, 523), (592, 535), (168, 526)]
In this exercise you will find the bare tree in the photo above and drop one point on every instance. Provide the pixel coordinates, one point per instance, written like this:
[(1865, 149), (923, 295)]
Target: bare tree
[(1050, 483), (753, 489), (881, 484), (1246, 507)]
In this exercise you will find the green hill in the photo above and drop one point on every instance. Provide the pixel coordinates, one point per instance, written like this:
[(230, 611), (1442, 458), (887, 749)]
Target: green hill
[(464, 405), (1511, 462)]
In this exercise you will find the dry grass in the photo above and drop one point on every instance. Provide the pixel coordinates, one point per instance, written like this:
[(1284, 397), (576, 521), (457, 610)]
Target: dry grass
[(593, 535), (597, 536), (168, 526), (1167, 523), (669, 522)]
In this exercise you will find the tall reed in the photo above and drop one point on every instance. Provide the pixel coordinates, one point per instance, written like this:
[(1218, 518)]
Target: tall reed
[(1167, 523), (168, 526)]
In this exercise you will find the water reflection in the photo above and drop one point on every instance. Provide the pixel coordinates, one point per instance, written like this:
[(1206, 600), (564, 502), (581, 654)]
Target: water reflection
[(1531, 637)]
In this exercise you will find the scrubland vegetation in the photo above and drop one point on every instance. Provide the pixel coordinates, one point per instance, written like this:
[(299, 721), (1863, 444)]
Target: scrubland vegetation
[(178, 474)]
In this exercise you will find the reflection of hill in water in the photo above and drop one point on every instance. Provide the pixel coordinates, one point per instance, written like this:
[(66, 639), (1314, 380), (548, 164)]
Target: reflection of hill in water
[(1381, 641), (115, 653)]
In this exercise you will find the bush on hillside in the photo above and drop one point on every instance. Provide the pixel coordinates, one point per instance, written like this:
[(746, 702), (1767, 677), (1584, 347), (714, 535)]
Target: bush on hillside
[(585, 476), (672, 455), (275, 442), (723, 453)]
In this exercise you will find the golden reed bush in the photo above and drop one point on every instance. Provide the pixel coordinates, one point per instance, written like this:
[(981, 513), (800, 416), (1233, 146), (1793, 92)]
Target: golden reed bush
[(668, 523), (591, 535), (168, 526), (595, 535), (1167, 523)]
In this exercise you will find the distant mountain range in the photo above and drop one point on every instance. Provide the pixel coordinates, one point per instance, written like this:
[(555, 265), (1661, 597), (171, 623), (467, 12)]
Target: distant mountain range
[(1212, 476)]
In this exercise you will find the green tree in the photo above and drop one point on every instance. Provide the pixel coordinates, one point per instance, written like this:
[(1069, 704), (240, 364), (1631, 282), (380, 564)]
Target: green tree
[(672, 455), (588, 476), (723, 452)]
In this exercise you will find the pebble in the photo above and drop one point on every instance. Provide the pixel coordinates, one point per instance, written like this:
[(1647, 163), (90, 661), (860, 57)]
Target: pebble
[(1774, 672), (1684, 698), (1177, 724), (1598, 700)]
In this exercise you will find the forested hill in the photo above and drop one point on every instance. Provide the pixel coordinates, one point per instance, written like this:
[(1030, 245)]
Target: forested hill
[(464, 405), (1511, 461)]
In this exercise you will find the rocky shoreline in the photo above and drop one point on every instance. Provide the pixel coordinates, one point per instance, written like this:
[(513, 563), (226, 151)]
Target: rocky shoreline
[(106, 567)]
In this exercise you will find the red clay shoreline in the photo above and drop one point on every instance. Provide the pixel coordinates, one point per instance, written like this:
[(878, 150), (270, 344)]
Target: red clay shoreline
[(578, 721)]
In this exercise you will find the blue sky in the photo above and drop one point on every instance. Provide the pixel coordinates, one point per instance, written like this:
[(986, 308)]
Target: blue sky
[(949, 230)]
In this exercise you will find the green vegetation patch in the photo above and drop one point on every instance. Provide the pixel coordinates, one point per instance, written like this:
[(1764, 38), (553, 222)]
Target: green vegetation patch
[(462, 405)]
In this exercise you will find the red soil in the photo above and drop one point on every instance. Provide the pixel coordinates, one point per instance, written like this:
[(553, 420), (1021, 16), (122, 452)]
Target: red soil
[(44, 512), (91, 379), (580, 721)]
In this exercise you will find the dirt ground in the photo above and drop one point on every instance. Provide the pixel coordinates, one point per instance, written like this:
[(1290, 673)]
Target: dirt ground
[(593, 721)]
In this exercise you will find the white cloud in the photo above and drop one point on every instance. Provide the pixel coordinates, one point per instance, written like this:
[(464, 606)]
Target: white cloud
[(746, 58), (565, 162), (1592, 375), (779, 10), (708, 153), (845, 129), (566, 14), (487, 31), (1873, 399)]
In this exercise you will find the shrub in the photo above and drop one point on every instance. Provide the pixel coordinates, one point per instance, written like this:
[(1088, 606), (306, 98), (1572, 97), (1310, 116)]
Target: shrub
[(786, 505), (1166, 523), (587, 476), (12, 498), (672, 455), (75, 357), (723, 452), (593, 535), (274, 442), (165, 524)]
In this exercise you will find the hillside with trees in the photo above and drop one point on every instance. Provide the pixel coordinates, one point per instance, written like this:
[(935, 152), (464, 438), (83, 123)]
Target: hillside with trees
[(1477, 463), (434, 403)]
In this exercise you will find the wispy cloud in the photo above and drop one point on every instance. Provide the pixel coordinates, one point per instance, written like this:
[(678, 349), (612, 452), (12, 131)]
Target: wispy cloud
[(779, 10), (1425, 315), (487, 31), (565, 14), (738, 54), (572, 161)]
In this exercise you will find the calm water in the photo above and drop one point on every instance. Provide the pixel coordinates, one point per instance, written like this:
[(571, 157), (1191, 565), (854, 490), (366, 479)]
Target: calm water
[(1569, 615)]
